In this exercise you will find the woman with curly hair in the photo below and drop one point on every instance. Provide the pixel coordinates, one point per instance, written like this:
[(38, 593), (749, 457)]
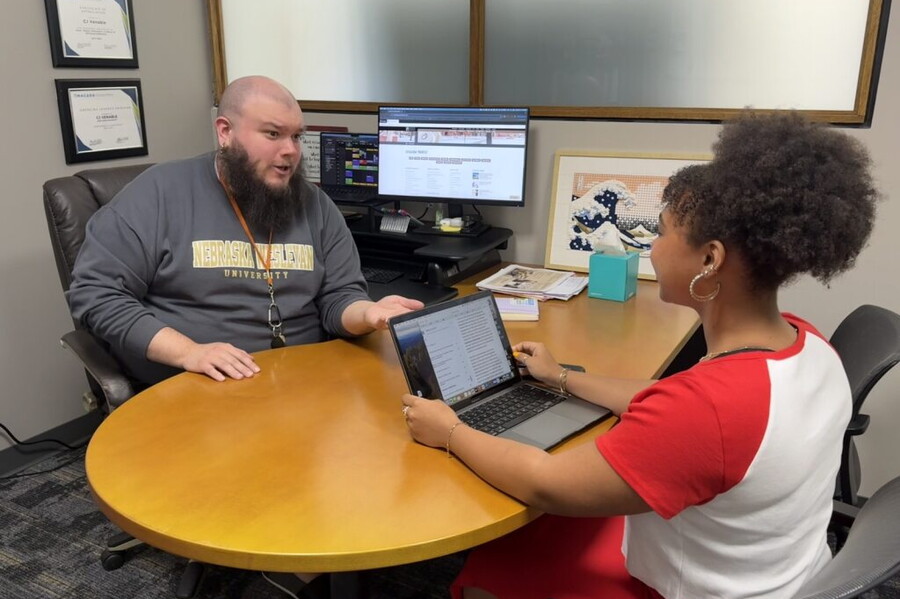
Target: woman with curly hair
[(724, 473)]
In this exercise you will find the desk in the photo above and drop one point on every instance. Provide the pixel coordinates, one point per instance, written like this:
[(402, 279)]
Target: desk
[(430, 262), (309, 466), (439, 260)]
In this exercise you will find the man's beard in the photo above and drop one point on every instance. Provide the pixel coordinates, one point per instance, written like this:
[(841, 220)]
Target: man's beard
[(265, 208)]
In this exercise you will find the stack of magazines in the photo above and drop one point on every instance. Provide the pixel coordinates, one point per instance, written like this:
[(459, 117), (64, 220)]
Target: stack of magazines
[(538, 283)]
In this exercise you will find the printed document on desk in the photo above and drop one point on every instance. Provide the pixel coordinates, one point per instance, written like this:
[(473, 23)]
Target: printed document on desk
[(539, 283)]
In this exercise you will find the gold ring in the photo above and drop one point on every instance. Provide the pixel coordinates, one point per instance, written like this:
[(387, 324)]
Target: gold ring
[(406, 411)]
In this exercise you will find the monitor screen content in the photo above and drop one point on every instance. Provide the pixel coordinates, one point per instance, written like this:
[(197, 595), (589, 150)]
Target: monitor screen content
[(349, 159), (454, 155)]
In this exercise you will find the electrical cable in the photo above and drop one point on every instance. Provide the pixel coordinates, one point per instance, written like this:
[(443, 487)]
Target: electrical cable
[(18, 442), (48, 470)]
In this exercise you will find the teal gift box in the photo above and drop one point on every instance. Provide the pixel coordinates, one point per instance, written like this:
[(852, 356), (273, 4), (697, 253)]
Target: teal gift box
[(613, 276)]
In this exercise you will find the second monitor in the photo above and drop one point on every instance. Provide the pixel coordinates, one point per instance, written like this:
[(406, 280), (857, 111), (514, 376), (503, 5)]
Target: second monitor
[(349, 165)]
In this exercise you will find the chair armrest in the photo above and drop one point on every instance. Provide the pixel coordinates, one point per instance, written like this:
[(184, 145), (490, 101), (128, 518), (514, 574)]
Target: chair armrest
[(858, 425), (843, 514), (100, 364)]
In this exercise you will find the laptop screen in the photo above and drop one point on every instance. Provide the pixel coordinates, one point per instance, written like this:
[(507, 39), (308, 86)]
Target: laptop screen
[(349, 159), (455, 350)]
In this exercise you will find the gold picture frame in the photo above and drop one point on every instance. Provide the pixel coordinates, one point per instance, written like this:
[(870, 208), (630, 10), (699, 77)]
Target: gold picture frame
[(593, 190)]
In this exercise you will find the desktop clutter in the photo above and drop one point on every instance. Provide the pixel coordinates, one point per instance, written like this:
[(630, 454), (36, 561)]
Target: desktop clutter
[(455, 156), (456, 224), (537, 283), (611, 276)]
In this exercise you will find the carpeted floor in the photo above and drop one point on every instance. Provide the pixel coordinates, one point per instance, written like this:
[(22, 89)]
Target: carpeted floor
[(51, 537)]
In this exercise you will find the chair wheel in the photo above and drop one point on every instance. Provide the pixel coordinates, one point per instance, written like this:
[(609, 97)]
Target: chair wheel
[(111, 560)]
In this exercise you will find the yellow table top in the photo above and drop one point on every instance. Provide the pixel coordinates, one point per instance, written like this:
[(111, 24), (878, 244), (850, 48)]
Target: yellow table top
[(309, 466)]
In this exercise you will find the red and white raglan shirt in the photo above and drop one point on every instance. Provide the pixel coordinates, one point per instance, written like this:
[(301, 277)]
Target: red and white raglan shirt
[(737, 458)]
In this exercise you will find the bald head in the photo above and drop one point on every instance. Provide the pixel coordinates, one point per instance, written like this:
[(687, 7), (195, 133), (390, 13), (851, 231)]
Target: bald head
[(260, 122), (239, 91)]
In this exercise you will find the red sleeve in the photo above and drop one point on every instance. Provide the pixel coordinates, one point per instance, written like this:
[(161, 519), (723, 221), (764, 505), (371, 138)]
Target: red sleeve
[(691, 436)]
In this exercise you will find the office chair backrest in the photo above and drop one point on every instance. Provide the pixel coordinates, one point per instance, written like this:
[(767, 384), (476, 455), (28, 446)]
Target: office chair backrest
[(868, 342), (69, 203), (871, 554)]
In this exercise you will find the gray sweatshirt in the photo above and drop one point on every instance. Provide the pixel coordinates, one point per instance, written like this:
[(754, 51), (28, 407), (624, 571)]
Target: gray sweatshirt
[(168, 250)]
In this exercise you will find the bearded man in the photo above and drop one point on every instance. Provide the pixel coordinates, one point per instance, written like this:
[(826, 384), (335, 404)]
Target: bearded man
[(199, 262)]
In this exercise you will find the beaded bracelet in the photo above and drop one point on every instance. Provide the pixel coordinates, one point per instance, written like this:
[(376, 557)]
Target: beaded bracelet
[(563, 378), (450, 434)]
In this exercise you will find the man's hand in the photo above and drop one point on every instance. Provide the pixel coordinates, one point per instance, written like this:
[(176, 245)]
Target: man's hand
[(377, 315), (364, 316), (218, 361)]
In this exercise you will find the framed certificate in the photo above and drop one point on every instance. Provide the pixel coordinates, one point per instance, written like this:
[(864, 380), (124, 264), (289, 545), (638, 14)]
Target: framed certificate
[(101, 119), (92, 33)]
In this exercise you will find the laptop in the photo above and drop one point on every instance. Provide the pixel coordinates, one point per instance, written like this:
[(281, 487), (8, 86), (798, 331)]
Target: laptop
[(348, 164), (458, 351)]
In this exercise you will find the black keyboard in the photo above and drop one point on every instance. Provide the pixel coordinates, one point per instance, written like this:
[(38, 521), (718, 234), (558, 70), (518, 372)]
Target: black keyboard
[(506, 411), (350, 194), (374, 274)]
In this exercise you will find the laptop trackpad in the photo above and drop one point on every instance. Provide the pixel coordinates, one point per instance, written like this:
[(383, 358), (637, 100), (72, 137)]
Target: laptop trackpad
[(543, 431), (580, 410)]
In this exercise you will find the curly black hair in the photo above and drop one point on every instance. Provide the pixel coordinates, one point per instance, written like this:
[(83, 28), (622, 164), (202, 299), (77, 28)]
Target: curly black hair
[(791, 196)]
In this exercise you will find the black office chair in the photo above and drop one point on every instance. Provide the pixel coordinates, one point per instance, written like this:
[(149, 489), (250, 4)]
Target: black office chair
[(871, 553), (868, 342), (69, 202)]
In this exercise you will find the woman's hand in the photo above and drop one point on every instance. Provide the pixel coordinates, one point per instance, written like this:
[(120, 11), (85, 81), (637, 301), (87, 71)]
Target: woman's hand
[(538, 361), (429, 420)]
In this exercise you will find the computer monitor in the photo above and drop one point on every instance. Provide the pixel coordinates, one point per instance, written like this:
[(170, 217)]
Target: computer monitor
[(453, 155), (349, 160)]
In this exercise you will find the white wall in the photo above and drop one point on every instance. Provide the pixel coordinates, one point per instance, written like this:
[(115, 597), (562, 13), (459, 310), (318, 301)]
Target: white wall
[(41, 383)]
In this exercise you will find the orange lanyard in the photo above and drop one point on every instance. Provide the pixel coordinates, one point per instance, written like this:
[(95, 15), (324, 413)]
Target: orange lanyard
[(274, 314), (267, 261)]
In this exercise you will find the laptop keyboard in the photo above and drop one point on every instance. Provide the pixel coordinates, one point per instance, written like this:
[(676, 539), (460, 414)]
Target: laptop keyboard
[(374, 274), (506, 411)]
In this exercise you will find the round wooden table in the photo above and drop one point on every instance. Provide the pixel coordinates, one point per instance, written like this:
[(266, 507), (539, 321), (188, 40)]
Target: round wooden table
[(309, 466)]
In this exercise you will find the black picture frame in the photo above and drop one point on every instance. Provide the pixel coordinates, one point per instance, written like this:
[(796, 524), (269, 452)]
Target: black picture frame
[(63, 55), (101, 119)]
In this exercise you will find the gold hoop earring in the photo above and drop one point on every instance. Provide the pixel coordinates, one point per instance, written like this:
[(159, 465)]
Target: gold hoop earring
[(702, 275)]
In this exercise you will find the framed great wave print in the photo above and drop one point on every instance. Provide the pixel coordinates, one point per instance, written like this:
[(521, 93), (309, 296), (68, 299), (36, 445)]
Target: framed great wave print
[(607, 202)]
